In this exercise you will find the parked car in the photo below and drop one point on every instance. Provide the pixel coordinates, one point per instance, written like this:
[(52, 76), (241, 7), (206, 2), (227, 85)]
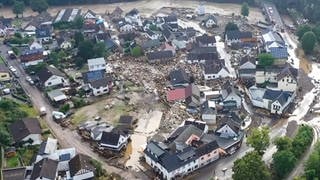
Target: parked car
[(29, 80)]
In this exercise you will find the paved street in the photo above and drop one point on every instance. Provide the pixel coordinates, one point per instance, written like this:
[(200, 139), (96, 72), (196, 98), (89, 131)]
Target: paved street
[(66, 137)]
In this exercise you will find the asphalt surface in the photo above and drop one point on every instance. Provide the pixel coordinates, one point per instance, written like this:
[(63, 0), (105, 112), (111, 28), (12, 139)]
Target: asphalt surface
[(66, 137)]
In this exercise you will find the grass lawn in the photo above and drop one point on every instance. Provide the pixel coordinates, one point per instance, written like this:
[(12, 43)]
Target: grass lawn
[(29, 110), (12, 162), (79, 118), (27, 153)]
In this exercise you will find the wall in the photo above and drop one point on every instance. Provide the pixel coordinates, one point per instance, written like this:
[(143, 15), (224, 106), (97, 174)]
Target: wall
[(287, 84), (208, 158), (32, 63), (54, 81), (84, 176)]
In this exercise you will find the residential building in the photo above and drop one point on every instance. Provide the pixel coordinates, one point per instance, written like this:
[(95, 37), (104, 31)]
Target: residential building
[(4, 73), (276, 101), (114, 140), (214, 71), (208, 112), (31, 57), (45, 169), (90, 15), (35, 45), (64, 43), (247, 67), (57, 96), (26, 131), (117, 13), (288, 79), (210, 21), (98, 82), (153, 35), (18, 173), (206, 41), (44, 33), (230, 95), (203, 55), (151, 44), (179, 93), (160, 56), (133, 17), (179, 77), (81, 168), (97, 64), (239, 37), (125, 27), (50, 76)]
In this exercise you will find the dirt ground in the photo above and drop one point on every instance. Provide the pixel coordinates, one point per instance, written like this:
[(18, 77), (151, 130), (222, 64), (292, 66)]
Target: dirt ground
[(147, 7)]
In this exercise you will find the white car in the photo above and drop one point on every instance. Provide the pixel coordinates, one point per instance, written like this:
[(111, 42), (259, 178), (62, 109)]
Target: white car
[(12, 69), (28, 79)]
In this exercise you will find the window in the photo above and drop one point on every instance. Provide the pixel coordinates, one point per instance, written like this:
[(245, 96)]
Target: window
[(202, 158), (209, 155), (282, 80), (276, 107), (49, 83), (98, 92)]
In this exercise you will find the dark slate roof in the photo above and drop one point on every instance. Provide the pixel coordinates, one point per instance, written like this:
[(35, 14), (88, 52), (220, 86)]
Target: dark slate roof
[(213, 68), (288, 71), (247, 59), (111, 138), (43, 32), (158, 55), (103, 36), (45, 73), (232, 120), (80, 162), (126, 120), (207, 148), (238, 34), (14, 173), (149, 32), (22, 128), (171, 18), (173, 26), (91, 76), (179, 76), (205, 109), (132, 12), (46, 168), (199, 125), (105, 81), (203, 53), (279, 52), (205, 39), (275, 95), (151, 44)]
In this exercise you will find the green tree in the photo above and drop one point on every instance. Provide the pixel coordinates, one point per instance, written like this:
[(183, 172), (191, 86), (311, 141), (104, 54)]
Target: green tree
[(18, 7), (283, 143), (245, 9), (312, 166), (78, 22), (39, 5), (316, 31), (259, 139), (283, 162), (231, 26), (99, 49), (265, 59), (64, 108), (250, 167), (5, 138), (302, 30), (136, 51), (78, 38), (85, 49), (308, 42)]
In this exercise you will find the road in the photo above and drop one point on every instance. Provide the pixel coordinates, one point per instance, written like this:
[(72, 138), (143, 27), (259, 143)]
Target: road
[(66, 137)]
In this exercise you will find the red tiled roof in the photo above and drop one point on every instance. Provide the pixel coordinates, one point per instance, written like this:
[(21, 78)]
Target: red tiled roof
[(179, 93)]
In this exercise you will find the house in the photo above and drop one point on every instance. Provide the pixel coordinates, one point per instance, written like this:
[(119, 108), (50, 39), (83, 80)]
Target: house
[(107, 40), (57, 96), (67, 15), (98, 82), (203, 55), (206, 41), (276, 101), (229, 133), (151, 44), (114, 140), (159, 56), (64, 43), (179, 77), (268, 74), (184, 151), (18, 173), (171, 19), (178, 94), (288, 79), (117, 13), (193, 101), (50, 76), (210, 21), (4, 73), (5, 25), (35, 45), (31, 57), (90, 15), (215, 71), (239, 37), (125, 27), (230, 95), (280, 54), (48, 147), (44, 169), (152, 35), (97, 64), (44, 33), (133, 17), (247, 67), (27, 130), (81, 168), (272, 39), (208, 112)]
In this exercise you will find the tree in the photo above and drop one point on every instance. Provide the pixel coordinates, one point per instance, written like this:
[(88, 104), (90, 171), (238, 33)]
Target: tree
[(302, 30), (231, 26), (18, 7), (136, 51), (99, 49), (308, 42), (85, 50), (250, 167), (283, 143), (245, 9), (283, 162), (78, 22), (265, 59), (5, 138), (316, 31), (39, 5), (259, 139), (78, 37)]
